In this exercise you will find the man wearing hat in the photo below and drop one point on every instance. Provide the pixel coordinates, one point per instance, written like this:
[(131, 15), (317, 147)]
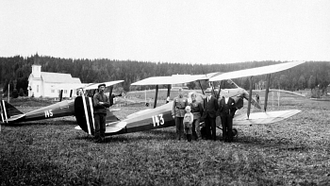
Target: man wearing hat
[(209, 115), (178, 111), (101, 104)]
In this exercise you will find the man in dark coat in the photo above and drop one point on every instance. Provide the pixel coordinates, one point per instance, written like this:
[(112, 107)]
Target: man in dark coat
[(101, 104), (227, 111), (210, 114)]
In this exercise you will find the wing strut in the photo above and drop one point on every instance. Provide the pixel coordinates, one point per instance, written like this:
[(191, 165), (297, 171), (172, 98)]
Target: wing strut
[(168, 93), (110, 90), (200, 84), (156, 97), (267, 91), (219, 91), (61, 95), (250, 97), (4, 111)]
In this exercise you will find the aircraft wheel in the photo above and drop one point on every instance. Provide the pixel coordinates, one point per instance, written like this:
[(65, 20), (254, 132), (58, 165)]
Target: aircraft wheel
[(234, 131)]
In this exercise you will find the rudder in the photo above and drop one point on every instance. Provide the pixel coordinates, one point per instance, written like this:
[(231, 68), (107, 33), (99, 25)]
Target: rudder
[(7, 110)]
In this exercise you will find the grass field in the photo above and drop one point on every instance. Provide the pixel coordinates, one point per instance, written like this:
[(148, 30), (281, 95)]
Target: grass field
[(51, 152)]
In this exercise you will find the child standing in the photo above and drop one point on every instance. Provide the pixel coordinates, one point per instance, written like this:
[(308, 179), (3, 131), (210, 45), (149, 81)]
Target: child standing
[(187, 122)]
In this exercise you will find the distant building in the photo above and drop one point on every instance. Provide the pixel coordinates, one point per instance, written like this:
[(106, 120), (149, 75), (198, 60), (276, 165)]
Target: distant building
[(49, 84)]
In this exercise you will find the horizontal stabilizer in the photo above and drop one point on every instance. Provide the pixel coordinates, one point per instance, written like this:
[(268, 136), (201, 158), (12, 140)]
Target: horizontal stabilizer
[(15, 117), (258, 118), (115, 126)]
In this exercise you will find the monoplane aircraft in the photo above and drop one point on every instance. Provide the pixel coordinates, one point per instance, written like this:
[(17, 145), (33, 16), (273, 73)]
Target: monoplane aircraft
[(160, 116), (10, 114)]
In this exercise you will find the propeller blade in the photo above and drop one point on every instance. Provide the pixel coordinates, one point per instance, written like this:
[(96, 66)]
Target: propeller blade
[(253, 101)]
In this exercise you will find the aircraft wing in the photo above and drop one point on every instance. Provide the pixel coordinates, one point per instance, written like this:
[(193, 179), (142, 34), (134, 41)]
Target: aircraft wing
[(256, 71), (167, 80), (264, 117), (107, 84), (71, 86)]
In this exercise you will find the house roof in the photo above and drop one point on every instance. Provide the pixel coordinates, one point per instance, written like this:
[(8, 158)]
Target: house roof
[(51, 77)]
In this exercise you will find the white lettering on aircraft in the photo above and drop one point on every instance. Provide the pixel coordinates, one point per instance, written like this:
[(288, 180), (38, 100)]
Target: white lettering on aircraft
[(48, 113), (158, 120)]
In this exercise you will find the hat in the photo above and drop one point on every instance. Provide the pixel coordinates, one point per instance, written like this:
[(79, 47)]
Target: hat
[(100, 85)]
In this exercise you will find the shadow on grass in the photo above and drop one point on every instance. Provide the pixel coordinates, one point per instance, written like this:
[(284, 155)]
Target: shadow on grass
[(280, 144), (156, 134), (42, 122)]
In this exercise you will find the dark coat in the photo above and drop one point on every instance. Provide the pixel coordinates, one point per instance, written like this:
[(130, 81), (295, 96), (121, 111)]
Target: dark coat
[(228, 109), (100, 108), (210, 108)]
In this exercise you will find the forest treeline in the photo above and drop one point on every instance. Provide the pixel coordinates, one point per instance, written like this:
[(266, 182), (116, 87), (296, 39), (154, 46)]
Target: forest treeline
[(16, 70)]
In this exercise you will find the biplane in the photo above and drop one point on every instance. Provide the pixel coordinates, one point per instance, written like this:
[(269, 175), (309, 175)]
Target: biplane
[(160, 116), (11, 115), (262, 117)]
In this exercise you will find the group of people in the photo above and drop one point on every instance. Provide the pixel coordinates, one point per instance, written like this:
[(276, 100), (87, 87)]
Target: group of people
[(188, 116)]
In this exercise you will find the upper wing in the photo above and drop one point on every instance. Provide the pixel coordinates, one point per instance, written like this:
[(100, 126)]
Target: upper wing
[(86, 86), (255, 71), (107, 84), (168, 80), (70, 86)]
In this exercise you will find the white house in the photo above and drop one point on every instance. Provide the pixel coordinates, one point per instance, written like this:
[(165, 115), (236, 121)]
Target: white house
[(49, 84)]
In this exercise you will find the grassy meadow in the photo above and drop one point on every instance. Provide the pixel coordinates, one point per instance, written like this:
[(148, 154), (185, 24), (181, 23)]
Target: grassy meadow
[(51, 152)]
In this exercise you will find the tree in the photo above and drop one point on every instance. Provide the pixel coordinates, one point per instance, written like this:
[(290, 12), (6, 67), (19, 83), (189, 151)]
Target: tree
[(283, 81), (311, 82), (191, 85), (301, 82), (294, 84)]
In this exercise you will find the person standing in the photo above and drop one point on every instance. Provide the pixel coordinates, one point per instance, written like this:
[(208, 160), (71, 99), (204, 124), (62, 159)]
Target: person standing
[(101, 104), (188, 123), (178, 110), (197, 110), (227, 111), (210, 114)]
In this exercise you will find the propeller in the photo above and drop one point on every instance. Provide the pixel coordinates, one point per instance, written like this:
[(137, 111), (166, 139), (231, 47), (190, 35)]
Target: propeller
[(253, 101)]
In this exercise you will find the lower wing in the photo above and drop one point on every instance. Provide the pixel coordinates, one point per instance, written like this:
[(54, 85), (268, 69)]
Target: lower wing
[(258, 118)]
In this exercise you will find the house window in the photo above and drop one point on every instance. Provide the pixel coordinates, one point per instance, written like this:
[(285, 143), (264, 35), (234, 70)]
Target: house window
[(37, 88), (52, 91), (65, 91)]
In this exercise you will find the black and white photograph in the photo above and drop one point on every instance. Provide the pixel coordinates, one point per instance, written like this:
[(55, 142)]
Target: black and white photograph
[(167, 92)]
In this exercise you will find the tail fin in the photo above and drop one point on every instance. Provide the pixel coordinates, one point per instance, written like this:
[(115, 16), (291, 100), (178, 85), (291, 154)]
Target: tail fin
[(7, 110)]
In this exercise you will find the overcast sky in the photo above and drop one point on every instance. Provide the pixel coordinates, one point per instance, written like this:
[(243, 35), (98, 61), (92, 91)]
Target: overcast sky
[(180, 31)]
